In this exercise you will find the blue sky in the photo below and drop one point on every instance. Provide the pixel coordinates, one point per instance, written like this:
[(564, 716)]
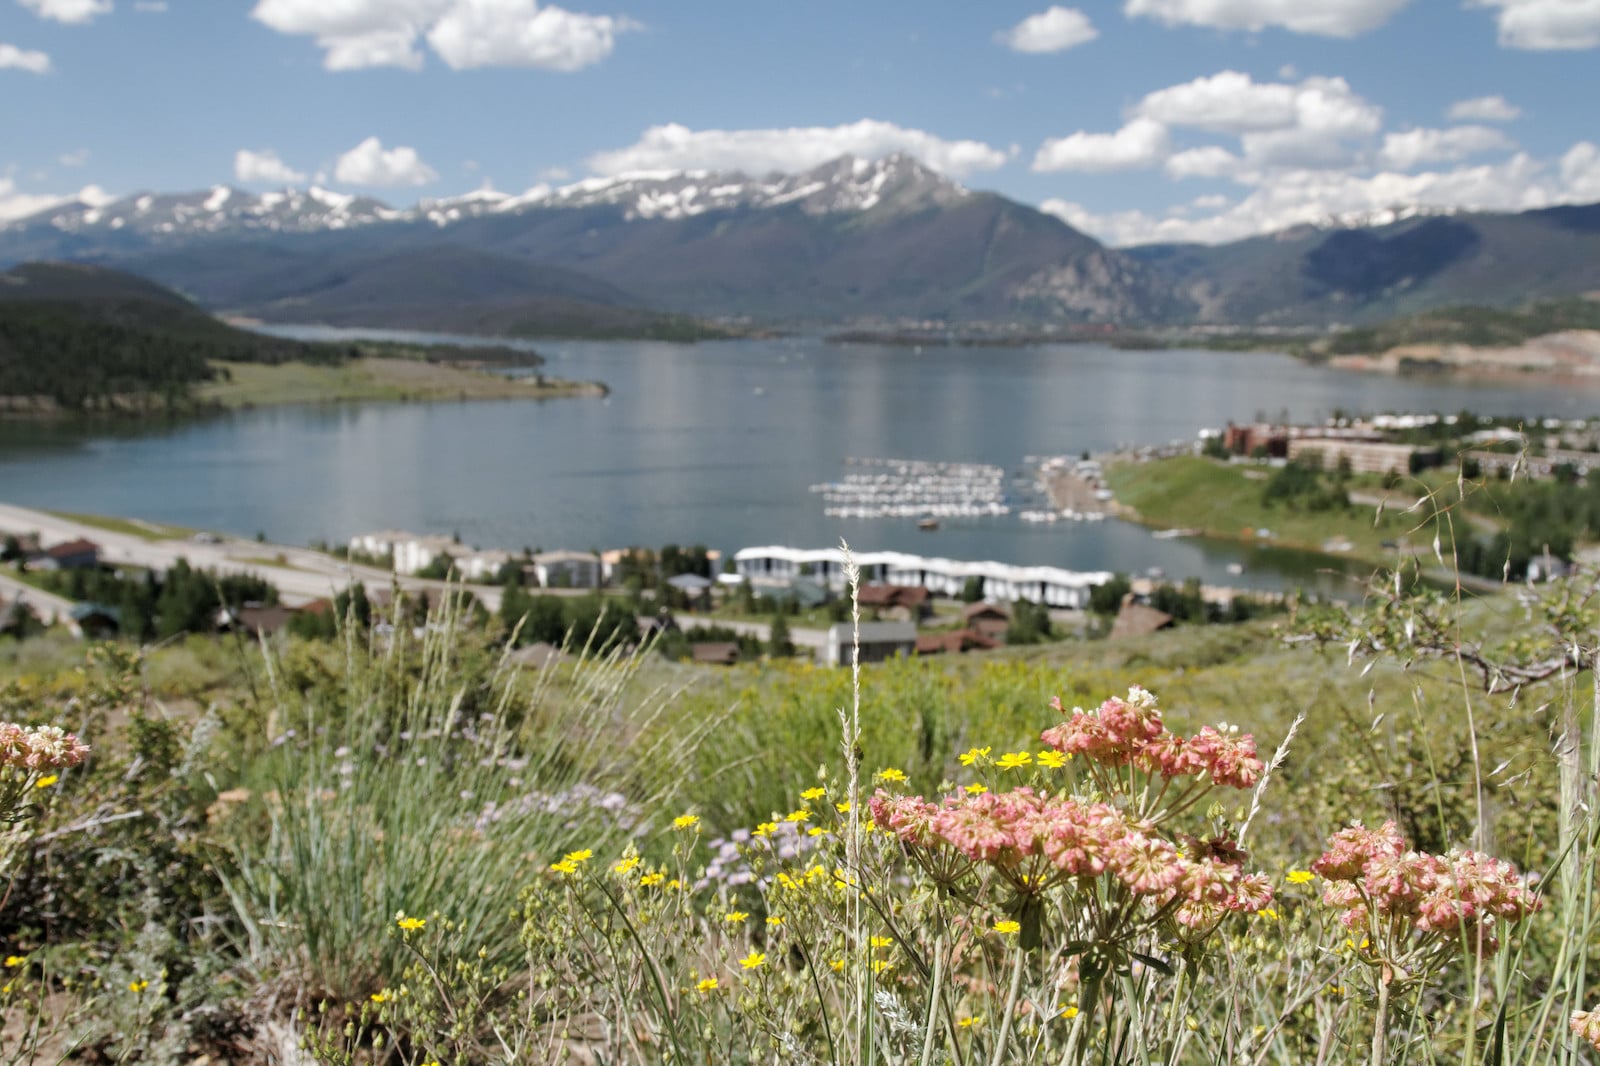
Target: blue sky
[(1135, 120)]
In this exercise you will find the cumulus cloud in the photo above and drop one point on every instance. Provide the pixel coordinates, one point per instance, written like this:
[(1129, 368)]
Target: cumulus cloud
[(520, 33), (1484, 109), (20, 59), (1209, 161), (355, 34), (68, 10), (1327, 18), (1143, 142), (1404, 151), (675, 147), (1268, 114), (1547, 25), (1053, 30), (15, 204), (370, 164), (265, 167)]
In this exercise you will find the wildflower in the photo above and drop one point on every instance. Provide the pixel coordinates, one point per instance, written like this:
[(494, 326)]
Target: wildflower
[(47, 780), (674, 884), (797, 816), (1300, 877), (625, 865), (565, 866), (973, 755), (686, 821), (882, 941), (1052, 759), (410, 925), (1267, 913), (379, 997), (44, 747), (735, 917), (816, 831), (1069, 1012), (652, 879), (774, 920), (709, 984), (766, 829), (1007, 927), (891, 774), (976, 790), (138, 986), (1011, 760), (843, 807), (13, 961), (880, 965), (812, 794), (970, 1021), (836, 965), (1586, 1025), (753, 961), (582, 855)]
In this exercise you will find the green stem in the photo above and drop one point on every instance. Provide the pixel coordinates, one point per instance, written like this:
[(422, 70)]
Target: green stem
[(1380, 1027), (1011, 1007), (933, 999)]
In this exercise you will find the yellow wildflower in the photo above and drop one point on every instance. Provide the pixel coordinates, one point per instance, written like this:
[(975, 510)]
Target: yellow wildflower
[(735, 917), (410, 925), (707, 985), (47, 780), (976, 790), (625, 865), (1013, 759), (774, 920), (565, 866), (836, 965), (813, 794), (13, 961), (649, 880), (882, 941), (1267, 913), (1053, 759), (1069, 1012), (969, 1022), (1008, 927), (842, 807), (753, 961), (686, 821), (973, 755), (891, 774), (816, 831), (880, 965), (797, 816), (1300, 877), (138, 986), (379, 997), (674, 883), (581, 855), (766, 829)]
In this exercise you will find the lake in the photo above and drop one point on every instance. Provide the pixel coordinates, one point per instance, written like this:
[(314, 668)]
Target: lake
[(717, 443)]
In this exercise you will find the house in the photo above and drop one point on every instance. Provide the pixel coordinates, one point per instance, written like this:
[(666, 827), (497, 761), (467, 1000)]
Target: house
[(1364, 456), (690, 584), (484, 566), (896, 603), (565, 570), (954, 643), (716, 653), (990, 620), (72, 555), (95, 621), (257, 619), (417, 554), (878, 641), (1137, 619)]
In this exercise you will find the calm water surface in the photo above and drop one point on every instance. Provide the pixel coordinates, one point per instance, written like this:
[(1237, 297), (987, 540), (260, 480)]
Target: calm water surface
[(716, 444)]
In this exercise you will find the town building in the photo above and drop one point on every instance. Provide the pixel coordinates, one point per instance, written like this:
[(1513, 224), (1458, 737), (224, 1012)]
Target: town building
[(878, 641), (70, 555), (896, 603), (1364, 456), (565, 569), (955, 642)]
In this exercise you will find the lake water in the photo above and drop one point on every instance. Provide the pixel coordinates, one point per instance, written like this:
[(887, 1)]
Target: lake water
[(717, 444)]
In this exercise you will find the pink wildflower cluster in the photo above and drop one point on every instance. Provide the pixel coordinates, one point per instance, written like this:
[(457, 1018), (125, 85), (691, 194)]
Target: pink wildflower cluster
[(1129, 732), (45, 747), (1035, 840), (1586, 1024), (1378, 881)]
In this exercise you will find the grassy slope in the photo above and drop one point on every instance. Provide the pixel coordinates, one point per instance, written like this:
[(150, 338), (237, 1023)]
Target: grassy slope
[(1224, 501), (254, 385)]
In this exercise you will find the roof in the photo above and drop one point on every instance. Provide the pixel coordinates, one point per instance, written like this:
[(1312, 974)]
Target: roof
[(984, 610), (1135, 620), (954, 568), (82, 611), (566, 557), (72, 547), (892, 595), (720, 652), (954, 643), (263, 619), (690, 582), (874, 633)]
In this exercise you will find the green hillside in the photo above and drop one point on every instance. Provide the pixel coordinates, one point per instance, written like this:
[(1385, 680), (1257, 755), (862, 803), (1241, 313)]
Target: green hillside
[(1480, 327)]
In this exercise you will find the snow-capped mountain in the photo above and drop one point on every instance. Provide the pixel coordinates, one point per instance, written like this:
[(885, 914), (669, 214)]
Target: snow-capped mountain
[(843, 185)]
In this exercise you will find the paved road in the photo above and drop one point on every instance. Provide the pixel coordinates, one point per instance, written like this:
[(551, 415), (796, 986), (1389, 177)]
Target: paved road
[(49, 608), (300, 575)]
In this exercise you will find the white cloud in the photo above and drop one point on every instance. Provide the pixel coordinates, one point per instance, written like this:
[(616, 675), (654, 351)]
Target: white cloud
[(355, 34), (1328, 18), (74, 159), (369, 163), (759, 151), (1143, 142), (68, 10), (1484, 109), (15, 204), (1232, 102), (1052, 30), (1580, 172), (1542, 25), (520, 33), (1404, 151), (265, 168), (1209, 161), (19, 59)]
